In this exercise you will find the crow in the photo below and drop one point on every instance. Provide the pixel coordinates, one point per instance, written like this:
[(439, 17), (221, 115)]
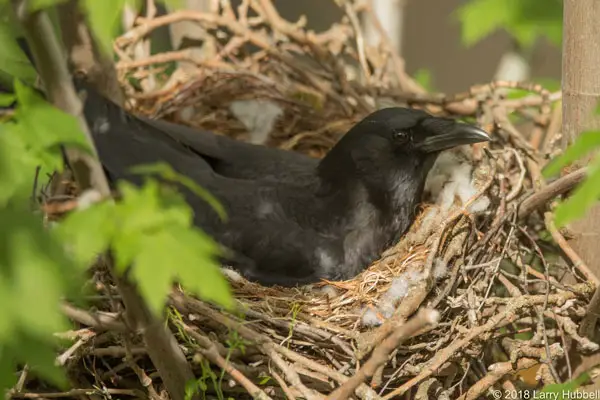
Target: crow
[(292, 220)]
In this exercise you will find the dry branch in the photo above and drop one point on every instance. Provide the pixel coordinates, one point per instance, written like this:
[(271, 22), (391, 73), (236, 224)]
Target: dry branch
[(382, 352)]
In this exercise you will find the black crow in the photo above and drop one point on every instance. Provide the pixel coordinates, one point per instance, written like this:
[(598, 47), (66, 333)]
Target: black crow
[(236, 159), (291, 219)]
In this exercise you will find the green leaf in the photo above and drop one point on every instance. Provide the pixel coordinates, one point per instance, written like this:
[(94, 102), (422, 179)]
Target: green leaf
[(585, 143), (104, 18), (6, 99), (173, 4), (17, 165), (35, 276), (569, 386), (582, 198), (40, 355), (13, 62), (36, 268), (479, 18), (166, 172), (46, 125), (264, 380), (197, 266), (32, 139), (150, 229), (6, 327), (36, 5), (524, 20), (154, 269), (88, 232), (8, 376), (549, 84), (424, 78), (155, 233)]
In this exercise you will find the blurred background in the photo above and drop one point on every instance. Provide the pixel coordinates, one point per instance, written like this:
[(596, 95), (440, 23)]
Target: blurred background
[(448, 45)]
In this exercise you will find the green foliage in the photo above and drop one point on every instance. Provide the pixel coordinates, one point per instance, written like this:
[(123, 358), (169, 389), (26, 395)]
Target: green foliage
[(104, 19), (32, 140), (36, 5), (6, 99), (549, 84), (200, 385), (166, 172), (524, 20), (560, 389), (13, 62), (585, 144), (151, 229), (582, 199), (35, 275), (588, 192), (424, 78)]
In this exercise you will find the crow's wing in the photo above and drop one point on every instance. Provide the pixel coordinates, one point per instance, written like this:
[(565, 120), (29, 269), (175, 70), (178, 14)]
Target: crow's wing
[(235, 159)]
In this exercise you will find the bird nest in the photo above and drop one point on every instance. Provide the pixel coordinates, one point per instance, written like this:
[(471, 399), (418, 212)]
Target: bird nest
[(483, 251)]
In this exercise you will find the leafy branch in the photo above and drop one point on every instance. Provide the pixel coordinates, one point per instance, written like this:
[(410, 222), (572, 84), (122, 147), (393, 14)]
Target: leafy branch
[(149, 231), (588, 192)]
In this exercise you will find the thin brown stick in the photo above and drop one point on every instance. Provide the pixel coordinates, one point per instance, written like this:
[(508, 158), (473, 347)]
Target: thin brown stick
[(509, 313), (568, 250), (495, 373), (551, 191), (210, 351), (78, 392), (97, 321), (382, 352)]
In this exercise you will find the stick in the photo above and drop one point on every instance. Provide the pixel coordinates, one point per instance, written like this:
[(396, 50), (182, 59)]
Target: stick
[(568, 250), (556, 188), (210, 351), (382, 352)]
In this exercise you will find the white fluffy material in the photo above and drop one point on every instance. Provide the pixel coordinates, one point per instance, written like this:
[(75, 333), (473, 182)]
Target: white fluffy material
[(440, 269), (234, 276), (88, 198), (450, 180), (398, 290), (370, 318), (258, 116)]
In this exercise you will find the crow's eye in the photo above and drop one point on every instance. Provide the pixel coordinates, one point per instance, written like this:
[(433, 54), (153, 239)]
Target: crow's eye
[(401, 136)]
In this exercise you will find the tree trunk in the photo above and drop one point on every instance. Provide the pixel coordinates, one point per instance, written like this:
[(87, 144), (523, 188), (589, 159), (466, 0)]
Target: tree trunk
[(581, 91)]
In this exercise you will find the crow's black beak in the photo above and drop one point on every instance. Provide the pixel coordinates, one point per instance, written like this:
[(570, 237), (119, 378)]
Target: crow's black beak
[(454, 135)]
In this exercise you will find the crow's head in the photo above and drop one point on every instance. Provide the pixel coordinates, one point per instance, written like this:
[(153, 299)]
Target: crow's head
[(406, 130), (392, 142)]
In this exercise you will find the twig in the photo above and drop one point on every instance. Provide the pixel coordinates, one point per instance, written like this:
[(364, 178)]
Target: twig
[(509, 313), (549, 192), (592, 313), (64, 357), (78, 392), (268, 347), (495, 373), (96, 321), (568, 250), (382, 352), (209, 350)]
